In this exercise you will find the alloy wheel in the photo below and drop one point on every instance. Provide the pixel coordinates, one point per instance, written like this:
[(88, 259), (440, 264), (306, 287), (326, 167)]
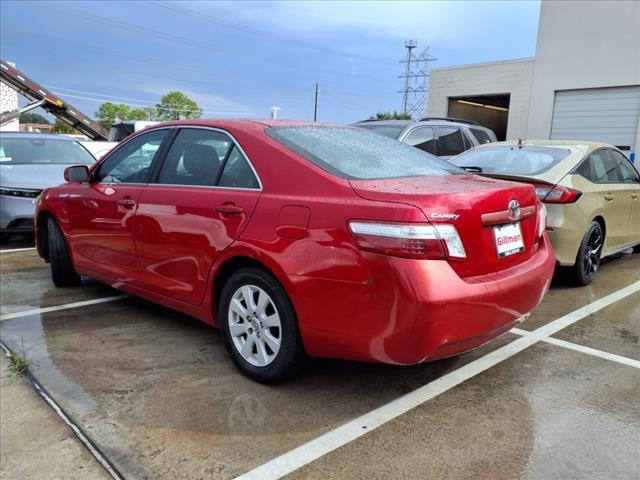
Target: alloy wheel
[(254, 325), (591, 259)]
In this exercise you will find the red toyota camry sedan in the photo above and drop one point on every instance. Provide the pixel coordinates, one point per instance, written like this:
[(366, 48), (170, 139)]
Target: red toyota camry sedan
[(302, 239)]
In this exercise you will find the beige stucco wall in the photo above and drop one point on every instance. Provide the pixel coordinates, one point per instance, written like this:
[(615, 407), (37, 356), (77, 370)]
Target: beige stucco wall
[(513, 76), (582, 44)]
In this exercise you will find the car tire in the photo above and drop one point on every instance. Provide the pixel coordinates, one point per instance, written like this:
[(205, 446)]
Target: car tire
[(588, 259), (259, 327), (62, 271)]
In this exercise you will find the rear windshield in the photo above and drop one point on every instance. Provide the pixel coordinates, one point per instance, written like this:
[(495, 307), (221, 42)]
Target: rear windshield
[(512, 160), (391, 131), (359, 154), (25, 151)]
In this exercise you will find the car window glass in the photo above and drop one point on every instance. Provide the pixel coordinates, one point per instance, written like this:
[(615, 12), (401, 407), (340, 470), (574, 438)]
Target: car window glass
[(391, 131), (358, 153), (481, 135), (599, 168), (195, 157), (450, 141), (31, 150), (512, 160), (237, 172), (626, 172), (422, 138), (131, 163)]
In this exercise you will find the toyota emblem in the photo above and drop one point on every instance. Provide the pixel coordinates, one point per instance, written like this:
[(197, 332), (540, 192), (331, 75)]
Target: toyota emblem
[(514, 209)]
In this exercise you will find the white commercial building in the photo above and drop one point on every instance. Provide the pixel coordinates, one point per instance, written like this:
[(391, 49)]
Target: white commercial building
[(583, 83)]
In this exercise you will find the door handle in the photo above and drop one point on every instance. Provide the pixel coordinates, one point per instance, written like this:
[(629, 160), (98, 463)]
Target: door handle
[(127, 202), (634, 196), (608, 197), (229, 209)]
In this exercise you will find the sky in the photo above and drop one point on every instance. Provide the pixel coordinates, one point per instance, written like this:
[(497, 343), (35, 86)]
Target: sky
[(238, 59)]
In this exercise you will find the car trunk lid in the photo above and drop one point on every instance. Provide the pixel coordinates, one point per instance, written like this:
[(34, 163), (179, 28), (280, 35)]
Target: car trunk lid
[(475, 205)]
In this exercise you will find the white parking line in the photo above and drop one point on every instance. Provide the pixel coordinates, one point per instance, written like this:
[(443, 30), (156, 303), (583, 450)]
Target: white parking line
[(11, 250), (320, 446), (66, 306), (583, 349)]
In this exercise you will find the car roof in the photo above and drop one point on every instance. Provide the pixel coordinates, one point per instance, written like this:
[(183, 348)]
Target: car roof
[(43, 136), (554, 143), (423, 121), (385, 122), (239, 123)]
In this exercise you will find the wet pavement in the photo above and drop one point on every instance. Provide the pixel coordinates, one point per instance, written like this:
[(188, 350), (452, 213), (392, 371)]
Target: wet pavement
[(157, 393)]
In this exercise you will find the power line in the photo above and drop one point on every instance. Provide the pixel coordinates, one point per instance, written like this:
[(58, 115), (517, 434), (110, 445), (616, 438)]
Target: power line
[(255, 31), (175, 38), (143, 105), (301, 88)]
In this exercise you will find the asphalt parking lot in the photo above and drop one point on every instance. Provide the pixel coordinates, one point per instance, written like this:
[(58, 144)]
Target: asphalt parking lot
[(157, 395)]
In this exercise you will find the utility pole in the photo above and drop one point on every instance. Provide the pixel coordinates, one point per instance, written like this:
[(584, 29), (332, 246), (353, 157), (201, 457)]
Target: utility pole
[(416, 82), (315, 106)]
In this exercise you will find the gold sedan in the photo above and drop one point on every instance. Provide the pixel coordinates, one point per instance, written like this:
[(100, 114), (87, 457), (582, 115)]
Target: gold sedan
[(591, 191)]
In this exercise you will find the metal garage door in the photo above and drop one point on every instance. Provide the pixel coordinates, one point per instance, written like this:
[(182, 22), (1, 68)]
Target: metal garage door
[(599, 114)]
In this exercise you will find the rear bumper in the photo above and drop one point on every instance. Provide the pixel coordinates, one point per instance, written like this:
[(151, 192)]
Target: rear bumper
[(417, 311)]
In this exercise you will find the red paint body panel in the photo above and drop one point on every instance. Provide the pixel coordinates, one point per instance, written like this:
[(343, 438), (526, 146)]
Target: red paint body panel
[(170, 247)]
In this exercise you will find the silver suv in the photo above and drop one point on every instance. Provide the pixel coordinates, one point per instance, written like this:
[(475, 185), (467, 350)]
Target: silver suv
[(443, 137)]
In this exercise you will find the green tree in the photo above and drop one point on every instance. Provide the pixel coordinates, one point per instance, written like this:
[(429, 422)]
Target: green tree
[(391, 116), (31, 117), (63, 127), (109, 112), (140, 114), (176, 105)]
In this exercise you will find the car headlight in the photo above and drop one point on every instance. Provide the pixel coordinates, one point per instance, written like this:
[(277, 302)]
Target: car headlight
[(20, 192)]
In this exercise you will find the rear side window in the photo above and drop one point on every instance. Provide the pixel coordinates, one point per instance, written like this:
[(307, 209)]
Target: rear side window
[(195, 158), (482, 136), (512, 160), (626, 172), (450, 141), (359, 154), (422, 138), (206, 158), (237, 172), (599, 167)]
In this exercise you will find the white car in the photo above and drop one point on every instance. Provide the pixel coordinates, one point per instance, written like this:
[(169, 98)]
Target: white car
[(98, 149)]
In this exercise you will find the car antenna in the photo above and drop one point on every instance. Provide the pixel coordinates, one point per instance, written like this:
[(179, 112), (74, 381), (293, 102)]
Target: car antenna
[(519, 143)]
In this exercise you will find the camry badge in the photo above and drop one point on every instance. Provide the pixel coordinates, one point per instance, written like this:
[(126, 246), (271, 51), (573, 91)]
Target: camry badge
[(445, 216), (514, 209)]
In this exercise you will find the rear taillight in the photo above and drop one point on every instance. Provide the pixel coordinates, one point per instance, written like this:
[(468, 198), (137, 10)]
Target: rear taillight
[(412, 240), (542, 219), (557, 194)]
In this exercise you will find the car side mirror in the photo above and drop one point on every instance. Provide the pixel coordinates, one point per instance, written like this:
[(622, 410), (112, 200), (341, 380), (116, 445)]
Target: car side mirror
[(77, 173)]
